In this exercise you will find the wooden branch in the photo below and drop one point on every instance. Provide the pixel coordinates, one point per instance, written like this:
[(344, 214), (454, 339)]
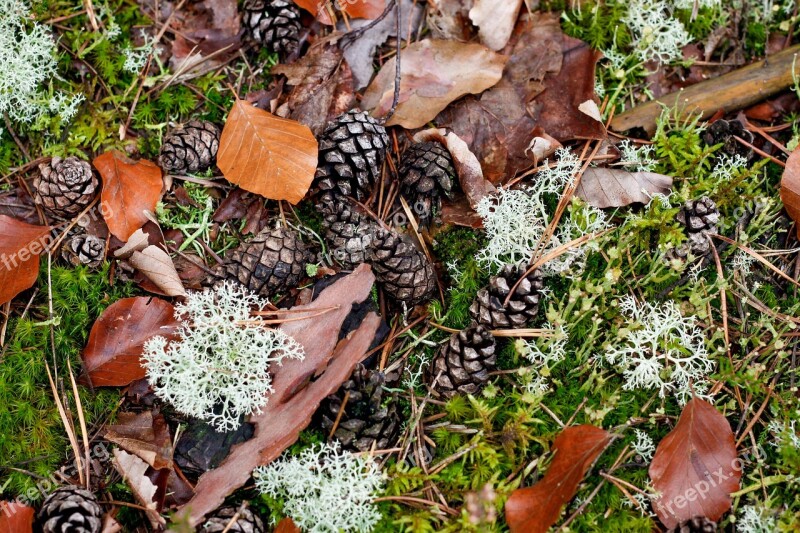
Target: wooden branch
[(729, 92), (295, 396)]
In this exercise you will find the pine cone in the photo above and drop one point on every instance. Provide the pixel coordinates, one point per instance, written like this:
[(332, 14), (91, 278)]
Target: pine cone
[(723, 131), (247, 522), (488, 310), (405, 273), (700, 218), (84, 249), (369, 416), (64, 187), (464, 363), (191, 147), (271, 262), (348, 231), (351, 152), (426, 173), (698, 524), (274, 24), (70, 509)]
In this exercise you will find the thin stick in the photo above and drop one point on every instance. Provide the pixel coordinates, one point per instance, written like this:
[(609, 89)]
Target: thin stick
[(339, 415)]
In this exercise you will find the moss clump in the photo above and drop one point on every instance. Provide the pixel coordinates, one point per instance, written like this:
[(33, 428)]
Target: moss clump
[(32, 437)]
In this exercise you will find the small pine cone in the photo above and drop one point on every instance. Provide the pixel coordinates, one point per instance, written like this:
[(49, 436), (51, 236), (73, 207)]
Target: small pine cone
[(426, 173), (405, 273), (488, 309), (84, 249), (246, 522), (64, 187), (725, 131), (464, 363), (351, 152), (273, 261), (698, 524), (700, 218), (370, 415), (191, 147), (274, 24), (348, 231), (70, 509)]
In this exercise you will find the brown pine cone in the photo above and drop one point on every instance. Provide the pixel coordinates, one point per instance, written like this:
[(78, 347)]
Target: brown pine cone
[(272, 262), (426, 174), (70, 509), (274, 24), (463, 364), (488, 308), (725, 132), (191, 147), (246, 522), (348, 231), (84, 249), (64, 187), (698, 524), (404, 272)]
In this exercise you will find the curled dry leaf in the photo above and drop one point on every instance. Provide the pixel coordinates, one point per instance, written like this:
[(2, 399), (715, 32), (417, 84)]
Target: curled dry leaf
[(359, 9), (695, 468), (112, 354), (145, 435), (613, 187), (296, 396), (433, 74), (470, 174), (133, 470), (268, 155), (156, 265), (20, 246), (287, 525), (495, 21), (16, 517), (534, 509), (131, 190), (790, 187)]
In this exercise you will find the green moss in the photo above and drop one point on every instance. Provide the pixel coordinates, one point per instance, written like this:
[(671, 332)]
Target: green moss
[(32, 437)]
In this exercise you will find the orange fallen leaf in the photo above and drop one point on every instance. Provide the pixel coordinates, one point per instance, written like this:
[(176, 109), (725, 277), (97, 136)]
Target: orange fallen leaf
[(357, 9), (145, 435), (790, 187), (534, 509), (695, 468), (112, 354), (268, 155), (434, 73), (15, 517), (20, 246), (131, 190), (287, 525)]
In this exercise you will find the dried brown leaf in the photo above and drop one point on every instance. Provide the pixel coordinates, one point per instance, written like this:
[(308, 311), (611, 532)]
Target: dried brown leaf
[(434, 73), (295, 397), (360, 9), (695, 468), (112, 354), (534, 509), (614, 187), (131, 190), (157, 266), (287, 525), (20, 246), (145, 435), (790, 187), (133, 470), (268, 155), (16, 517), (495, 21)]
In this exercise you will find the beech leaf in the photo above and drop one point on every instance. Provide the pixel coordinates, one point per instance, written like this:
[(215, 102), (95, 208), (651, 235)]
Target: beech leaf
[(20, 246), (614, 187), (112, 354), (265, 154), (133, 470), (287, 525), (156, 265), (358, 9), (534, 509), (695, 468), (495, 21), (295, 398), (790, 187), (131, 190), (433, 74), (145, 435), (17, 518)]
